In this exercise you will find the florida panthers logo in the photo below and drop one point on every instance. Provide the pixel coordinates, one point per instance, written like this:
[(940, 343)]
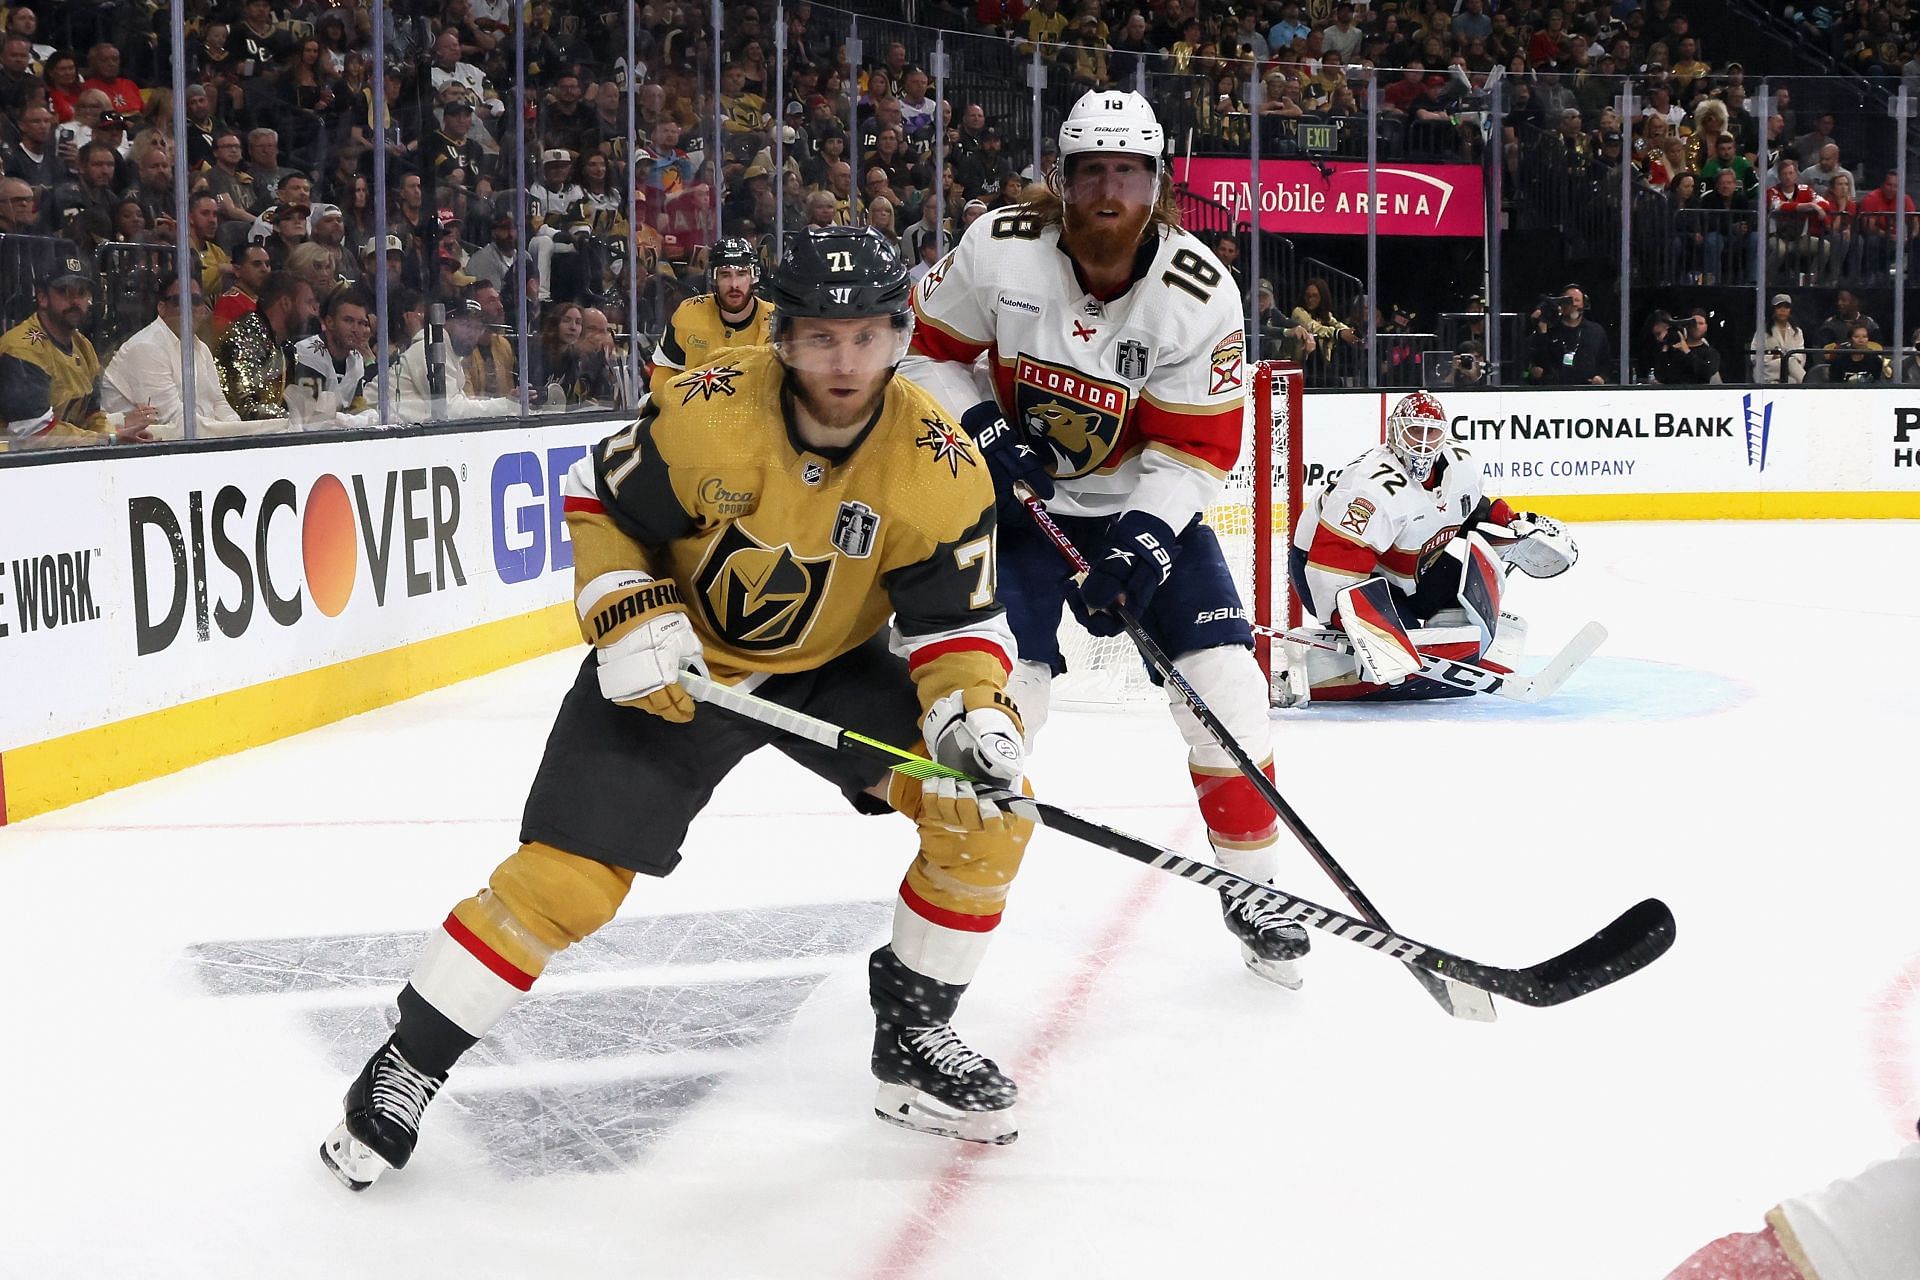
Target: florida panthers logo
[(760, 599), (1079, 417)]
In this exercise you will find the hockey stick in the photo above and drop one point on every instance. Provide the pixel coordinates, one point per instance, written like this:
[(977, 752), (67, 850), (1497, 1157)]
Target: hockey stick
[(1641, 935), (1538, 687), (1459, 1001)]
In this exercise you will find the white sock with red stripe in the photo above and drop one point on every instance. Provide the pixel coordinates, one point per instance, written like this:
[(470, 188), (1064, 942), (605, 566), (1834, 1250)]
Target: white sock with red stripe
[(936, 942), (466, 981)]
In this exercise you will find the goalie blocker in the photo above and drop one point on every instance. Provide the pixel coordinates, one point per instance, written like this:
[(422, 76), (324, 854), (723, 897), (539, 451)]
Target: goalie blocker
[(1402, 558)]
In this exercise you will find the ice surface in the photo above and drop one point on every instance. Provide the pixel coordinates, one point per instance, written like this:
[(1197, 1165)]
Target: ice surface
[(197, 965)]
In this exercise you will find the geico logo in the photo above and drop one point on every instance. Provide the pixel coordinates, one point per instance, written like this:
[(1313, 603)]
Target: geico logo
[(49, 591), (333, 527), (529, 489)]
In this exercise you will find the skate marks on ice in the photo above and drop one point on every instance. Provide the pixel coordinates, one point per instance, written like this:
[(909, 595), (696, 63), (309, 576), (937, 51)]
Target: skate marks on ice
[(1604, 689), (624, 1035)]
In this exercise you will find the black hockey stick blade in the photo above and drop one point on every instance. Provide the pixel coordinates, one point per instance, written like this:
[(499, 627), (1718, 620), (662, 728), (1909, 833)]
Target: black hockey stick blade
[(1643, 933)]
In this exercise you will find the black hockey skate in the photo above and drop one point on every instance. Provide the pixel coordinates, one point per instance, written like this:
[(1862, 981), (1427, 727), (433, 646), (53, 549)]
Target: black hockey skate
[(1270, 943), (382, 1123), (930, 1080)]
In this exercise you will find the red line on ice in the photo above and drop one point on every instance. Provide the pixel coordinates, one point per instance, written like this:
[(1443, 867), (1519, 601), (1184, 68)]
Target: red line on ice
[(943, 1199)]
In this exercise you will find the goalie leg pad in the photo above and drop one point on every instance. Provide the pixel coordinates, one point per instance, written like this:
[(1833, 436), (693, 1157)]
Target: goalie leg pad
[(1481, 583), (1372, 623)]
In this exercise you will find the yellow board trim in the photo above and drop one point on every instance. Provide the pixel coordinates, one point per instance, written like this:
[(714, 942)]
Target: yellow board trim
[(1723, 506), (79, 766)]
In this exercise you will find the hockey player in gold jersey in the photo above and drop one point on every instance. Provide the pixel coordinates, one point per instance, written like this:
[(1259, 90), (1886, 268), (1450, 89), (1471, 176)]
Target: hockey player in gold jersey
[(761, 520), (702, 328)]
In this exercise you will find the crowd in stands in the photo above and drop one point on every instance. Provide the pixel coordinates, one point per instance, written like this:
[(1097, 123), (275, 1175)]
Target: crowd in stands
[(508, 231)]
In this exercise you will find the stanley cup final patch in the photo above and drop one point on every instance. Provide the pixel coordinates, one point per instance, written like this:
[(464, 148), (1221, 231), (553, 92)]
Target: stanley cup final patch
[(1130, 358), (854, 529)]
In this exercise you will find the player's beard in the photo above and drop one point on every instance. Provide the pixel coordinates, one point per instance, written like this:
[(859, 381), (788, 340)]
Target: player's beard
[(832, 412), (735, 302), (1106, 243)]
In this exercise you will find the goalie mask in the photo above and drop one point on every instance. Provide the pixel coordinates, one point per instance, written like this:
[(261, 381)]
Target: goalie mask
[(1416, 432)]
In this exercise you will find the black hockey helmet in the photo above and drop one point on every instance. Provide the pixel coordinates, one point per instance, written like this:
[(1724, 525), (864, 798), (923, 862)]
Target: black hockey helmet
[(734, 251), (838, 272)]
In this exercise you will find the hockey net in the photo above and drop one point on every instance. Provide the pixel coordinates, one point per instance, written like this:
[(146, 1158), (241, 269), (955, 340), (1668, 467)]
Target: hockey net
[(1253, 518)]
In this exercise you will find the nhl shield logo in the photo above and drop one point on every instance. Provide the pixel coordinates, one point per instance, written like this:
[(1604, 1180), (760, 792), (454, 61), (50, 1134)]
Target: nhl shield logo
[(1131, 359), (853, 529)]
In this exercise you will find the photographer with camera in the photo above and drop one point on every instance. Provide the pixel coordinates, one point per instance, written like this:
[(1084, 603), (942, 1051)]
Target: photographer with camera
[(1568, 349), (1469, 368), (1685, 358)]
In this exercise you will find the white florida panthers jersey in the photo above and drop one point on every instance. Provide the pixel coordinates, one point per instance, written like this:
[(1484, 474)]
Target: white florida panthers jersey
[(1373, 520), (1141, 397)]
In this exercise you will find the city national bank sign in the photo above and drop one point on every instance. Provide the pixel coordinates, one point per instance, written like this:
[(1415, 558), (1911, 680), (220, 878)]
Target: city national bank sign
[(1304, 197)]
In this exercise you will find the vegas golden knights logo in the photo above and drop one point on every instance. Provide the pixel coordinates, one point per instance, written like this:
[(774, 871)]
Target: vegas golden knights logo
[(760, 599)]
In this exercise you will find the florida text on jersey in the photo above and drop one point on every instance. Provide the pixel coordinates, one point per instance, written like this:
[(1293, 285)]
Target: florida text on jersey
[(790, 556), (1140, 396)]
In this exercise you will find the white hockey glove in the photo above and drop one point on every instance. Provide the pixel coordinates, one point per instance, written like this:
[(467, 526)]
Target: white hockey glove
[(977, 732), (644, 640), (1540, 547), (363, 421)]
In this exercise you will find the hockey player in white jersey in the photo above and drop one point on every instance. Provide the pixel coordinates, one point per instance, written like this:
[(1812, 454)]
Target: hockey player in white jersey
[(1403, 557), (1114, 386)]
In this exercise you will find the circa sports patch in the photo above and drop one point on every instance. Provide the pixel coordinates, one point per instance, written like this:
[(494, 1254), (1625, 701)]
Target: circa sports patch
[(1359, 511), (1227, 362)]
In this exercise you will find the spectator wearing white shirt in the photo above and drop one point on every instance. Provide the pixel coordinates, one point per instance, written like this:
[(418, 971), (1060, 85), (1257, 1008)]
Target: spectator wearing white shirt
[(1342, 39), (466, 325), (146, 371), (1821, 175)]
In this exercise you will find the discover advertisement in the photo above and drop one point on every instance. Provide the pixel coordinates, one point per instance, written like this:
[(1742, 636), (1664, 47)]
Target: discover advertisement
[(132, 582)]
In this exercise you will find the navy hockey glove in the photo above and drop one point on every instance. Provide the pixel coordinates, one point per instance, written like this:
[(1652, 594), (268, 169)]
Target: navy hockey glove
[(1135, 558), (1011, 453)]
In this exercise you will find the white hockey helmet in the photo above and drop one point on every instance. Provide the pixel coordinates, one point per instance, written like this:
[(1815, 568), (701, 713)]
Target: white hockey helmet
[(1112, 120), (1416, 432)]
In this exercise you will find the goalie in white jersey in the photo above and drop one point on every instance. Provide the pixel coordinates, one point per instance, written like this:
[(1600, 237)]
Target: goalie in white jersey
[(1401, 555), (1114, 385)]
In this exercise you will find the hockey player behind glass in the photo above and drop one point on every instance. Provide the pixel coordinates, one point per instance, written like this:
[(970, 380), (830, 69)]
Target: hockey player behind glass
[(1116, 388), (760, 521), (703, 328), (1404, 557)]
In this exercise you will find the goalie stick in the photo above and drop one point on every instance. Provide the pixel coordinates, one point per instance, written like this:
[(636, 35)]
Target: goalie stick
[(1639, 936), (1538, 687), (1461, 1002)]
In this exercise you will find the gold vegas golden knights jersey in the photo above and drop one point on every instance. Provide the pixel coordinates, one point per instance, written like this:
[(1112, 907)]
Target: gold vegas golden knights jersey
[(788, 557), (695, 335)]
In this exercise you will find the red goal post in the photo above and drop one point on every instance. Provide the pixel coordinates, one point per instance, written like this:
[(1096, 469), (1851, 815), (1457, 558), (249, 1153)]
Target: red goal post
[(1253, 517)]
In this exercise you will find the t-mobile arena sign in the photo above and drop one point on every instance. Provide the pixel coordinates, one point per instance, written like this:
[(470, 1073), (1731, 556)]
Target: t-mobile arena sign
[(1299, 197)]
